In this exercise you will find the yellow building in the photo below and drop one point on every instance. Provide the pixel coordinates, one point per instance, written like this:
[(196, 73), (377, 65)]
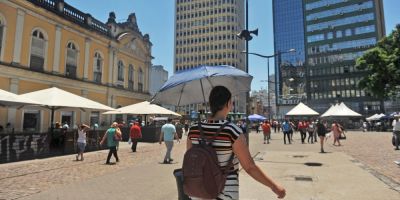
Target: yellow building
[(50, 43)]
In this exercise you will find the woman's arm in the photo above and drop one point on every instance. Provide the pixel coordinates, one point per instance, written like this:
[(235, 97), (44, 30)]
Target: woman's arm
[(188, 144), (241, 150), (104, 138)]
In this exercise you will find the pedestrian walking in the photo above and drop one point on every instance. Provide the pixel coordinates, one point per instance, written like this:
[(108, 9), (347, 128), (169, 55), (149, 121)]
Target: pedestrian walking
[(257, 127), (81, 142), (266, 127), (311, 130), (286, 129), (229, 145), (168, 133), (302, 127), (396, 131), (135, 135), (321, 131), (337, 131), (186, 127), (112, 135)]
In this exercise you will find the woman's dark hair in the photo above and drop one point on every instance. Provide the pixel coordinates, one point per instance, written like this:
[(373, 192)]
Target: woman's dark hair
[(219, 97)]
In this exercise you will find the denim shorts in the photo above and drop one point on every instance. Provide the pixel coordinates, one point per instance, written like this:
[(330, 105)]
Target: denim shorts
[(81, 146)]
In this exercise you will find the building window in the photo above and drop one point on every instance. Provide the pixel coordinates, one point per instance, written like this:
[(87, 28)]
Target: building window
[(348, 32), (37, 51), (72, 60), (97, 68), (140, 80), (120, 71), (339, 34), (130, 77), (31, 121)]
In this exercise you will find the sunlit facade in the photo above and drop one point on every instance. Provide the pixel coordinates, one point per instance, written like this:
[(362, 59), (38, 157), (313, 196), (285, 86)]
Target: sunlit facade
[(52, 44), (205, 34)]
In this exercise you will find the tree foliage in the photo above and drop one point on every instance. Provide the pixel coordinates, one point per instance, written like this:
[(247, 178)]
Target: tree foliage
[(383, 66)]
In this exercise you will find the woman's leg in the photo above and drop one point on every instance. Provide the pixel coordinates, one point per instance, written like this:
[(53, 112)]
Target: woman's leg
[(109, 155), (116, 154), (321, 138)]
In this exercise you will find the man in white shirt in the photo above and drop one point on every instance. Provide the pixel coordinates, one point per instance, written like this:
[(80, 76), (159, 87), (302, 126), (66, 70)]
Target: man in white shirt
[(396, 130)]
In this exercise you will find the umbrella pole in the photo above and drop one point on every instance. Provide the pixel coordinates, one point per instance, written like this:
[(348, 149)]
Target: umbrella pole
[(52, 121)]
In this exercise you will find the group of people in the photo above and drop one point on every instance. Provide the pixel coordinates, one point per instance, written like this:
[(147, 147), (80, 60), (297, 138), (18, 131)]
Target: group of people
[(313, 128)]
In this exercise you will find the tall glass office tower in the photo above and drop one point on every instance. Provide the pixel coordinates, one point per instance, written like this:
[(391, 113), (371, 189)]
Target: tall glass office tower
[(289, 67), (337, 32), (328, 35)]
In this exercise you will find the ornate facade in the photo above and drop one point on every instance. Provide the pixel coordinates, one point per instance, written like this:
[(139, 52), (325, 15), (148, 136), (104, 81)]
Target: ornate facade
[(46, 43)]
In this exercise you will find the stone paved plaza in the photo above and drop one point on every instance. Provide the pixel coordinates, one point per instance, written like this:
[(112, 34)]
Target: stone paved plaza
[(40, 179)]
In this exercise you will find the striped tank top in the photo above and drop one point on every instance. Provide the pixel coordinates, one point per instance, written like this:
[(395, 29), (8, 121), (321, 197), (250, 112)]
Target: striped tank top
[(223, 147)]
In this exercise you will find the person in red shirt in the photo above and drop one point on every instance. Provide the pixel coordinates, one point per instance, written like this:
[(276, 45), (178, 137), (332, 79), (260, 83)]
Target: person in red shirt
[(135, 135), (266, 127)]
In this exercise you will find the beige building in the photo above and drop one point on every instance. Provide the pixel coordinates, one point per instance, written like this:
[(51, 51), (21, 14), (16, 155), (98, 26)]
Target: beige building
[(205, 34), (50, 43)]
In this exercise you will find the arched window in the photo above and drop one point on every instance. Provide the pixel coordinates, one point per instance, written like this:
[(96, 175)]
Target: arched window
[(97, 67), (37, 51), (140, 80), (130, 77), (72, 60), (120, 71)]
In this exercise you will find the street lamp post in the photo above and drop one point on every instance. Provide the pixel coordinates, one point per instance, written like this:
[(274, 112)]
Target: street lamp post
[(268, 57), (246, 35)]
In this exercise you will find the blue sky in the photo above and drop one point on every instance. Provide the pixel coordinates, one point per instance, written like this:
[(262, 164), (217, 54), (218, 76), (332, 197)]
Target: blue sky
[(156, 17)]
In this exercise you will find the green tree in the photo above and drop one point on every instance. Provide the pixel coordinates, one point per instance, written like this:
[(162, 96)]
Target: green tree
[(383, 66)]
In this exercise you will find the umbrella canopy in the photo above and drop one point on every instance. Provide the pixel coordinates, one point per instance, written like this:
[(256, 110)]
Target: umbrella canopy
[(143, 108), (11, 99), (256, 117), (342, 110), (57, 98), (194, 85), (302, 110)]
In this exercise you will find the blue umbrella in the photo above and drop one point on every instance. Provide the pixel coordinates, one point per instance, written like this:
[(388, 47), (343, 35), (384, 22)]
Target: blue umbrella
[(194, 85), (256, 117)]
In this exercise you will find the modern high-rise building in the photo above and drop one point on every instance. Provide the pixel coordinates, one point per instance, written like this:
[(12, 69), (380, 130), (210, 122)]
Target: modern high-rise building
[(328, 35), (337, 32), (289, 34), (205, 34)]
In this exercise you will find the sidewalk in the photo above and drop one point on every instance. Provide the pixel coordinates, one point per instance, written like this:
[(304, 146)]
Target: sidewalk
[(337, 178)]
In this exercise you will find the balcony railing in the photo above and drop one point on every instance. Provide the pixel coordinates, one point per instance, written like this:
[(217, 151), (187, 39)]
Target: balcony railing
[(69, 12)]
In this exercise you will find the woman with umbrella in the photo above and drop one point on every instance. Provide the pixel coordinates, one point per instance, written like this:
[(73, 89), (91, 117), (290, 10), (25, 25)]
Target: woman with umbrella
[(230, 141)]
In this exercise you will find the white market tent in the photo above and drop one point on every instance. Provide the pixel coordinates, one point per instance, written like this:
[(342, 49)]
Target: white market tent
[(142, 108), (331, 110), (302, 110), (11, 99), (375, 117), (341, 110)]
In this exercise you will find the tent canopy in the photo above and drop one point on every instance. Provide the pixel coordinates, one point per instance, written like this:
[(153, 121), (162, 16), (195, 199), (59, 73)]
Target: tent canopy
[(375, 117), (331, 110), (143, 108), (340, 110), (11, 99), (302, 110)]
